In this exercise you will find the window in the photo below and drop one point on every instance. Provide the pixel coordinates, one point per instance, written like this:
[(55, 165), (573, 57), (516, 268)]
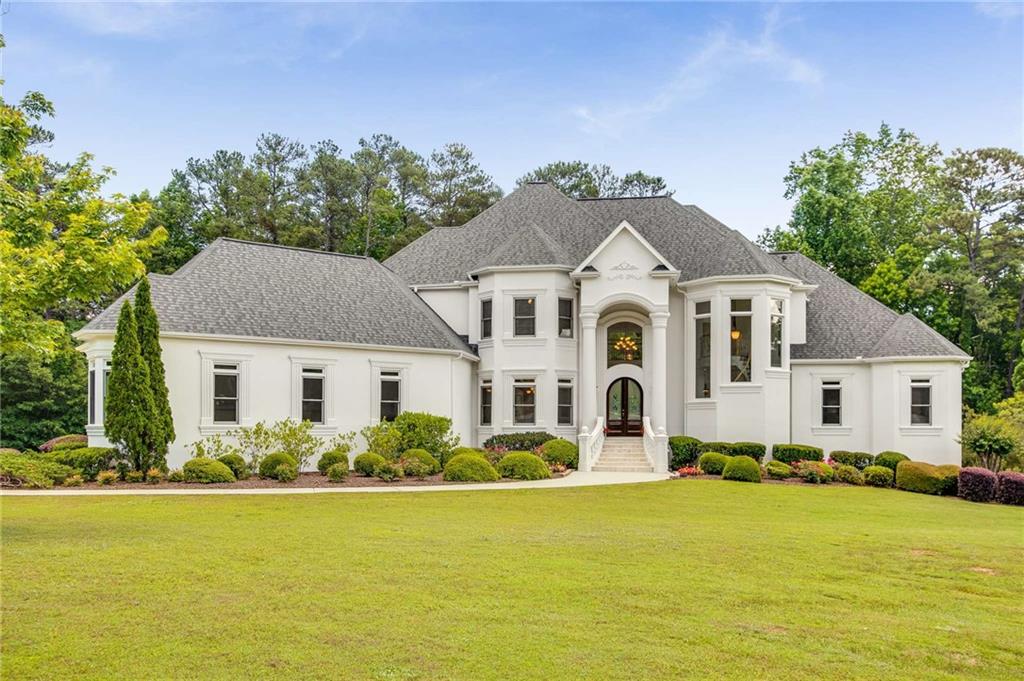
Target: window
[(565, 317), (313, 395), (739, 341), (920, 402), (225, 393), (831, 403), (524, 402), (777, 316), (92, 396), (702, 354), (390, 395), (485, 403), (564, 402), (485, 318), (106, 379), (524, 322), (625, 344)]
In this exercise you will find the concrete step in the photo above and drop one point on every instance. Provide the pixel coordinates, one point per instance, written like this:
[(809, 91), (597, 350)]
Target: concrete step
[(604, 458), (601, 468)]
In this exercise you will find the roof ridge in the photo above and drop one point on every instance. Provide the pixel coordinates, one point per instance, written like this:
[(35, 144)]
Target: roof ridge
[(301, 249), (902, 320), (624, 198)]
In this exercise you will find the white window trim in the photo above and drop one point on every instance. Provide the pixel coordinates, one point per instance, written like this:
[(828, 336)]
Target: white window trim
[(734, 386), (207, 426), (540, 329), (819, 428), (934, 378), (489, 382), (518, 381), (480, 318), (403, 378), (330, 424), (694, 317), (572, 317)]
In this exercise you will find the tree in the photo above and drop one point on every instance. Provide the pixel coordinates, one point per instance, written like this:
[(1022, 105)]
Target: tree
[(175, 210), (589, 180), (149, 347), (457, 188), (992, 439), (328, 187), (270, 187), (130, 418)]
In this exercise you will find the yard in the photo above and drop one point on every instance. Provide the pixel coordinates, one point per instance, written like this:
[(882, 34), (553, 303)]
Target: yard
[(665, 580)]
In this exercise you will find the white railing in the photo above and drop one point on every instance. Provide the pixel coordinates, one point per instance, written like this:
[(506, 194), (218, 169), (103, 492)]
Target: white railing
[(655, 447), (590, 444)]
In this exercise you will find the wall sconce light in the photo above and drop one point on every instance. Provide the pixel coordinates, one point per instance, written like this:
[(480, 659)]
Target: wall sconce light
[(735, 334)]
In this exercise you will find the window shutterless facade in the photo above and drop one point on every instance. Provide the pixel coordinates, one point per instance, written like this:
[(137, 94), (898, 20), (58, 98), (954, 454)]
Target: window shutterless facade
[(565, 406), (486, 394), (225, 393), (565, 329), (777, 309), (831, 403), (524, 402), (702, 350), (485, 318), (741, 318), (524, 317), (313, 395), (920, 402), (390, 395)]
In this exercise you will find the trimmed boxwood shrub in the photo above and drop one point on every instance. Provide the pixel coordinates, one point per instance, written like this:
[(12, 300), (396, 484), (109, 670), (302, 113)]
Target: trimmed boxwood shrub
[(778, 470), (814, 472), (286, 472), (755, 450), (849, 474), (466, 450), (742, 468), (522, 442), (331, 457), (712, 463), (859, 460), (422, 456), (878, 476), (207, 471), (269, 464), (523, 466), (470, 468), (719, 447), (1011, 488), (366, 463), (790, 453), (237, 465), (338, 472), (976, 484), (684, 450), (918, 476), (890, 460), (89, 460), (560, 452)]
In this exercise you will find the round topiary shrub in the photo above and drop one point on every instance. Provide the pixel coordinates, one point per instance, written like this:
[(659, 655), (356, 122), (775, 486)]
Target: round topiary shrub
[(389, 471), (560, 452), (470, 468), (366, 463), (859, 460), (1010, 489), (712, 463), (523, 466), (331, 457), (433, 466), (338, 472), (977, 484), (790, 453), (286, 472), (206, 471), (742, 468), (918, 476), (778, 470), (890, 460), (268, 467), (814, 472), (849, 474), (878, 476), (684, 450), (237, 465)]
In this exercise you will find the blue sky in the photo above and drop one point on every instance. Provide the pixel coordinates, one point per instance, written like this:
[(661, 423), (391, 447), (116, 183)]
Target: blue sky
[(718, 98)]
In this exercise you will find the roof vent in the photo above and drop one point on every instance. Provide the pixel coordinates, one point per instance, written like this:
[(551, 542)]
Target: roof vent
[(589, 268), (660, 268)]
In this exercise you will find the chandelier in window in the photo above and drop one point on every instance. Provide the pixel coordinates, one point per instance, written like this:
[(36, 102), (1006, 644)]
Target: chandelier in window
[(627, 346)]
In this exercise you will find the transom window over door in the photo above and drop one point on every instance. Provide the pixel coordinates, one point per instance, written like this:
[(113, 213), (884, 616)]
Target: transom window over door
[(702, 350), (313, 395), (524, 402), (225, 393), (740, 340), (390, 395), (831, 403), (625, 344), (524, 322), (920, 402)]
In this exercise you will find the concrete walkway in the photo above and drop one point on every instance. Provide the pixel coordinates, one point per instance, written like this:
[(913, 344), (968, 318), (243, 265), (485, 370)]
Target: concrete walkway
[(575, 479)]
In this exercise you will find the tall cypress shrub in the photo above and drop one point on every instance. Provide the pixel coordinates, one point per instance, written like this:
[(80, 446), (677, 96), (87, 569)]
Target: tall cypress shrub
[(149, 345), (129, 417)]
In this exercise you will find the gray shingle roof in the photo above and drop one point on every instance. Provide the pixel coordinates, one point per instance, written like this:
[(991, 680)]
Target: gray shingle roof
[(240, 288), (843, 322)]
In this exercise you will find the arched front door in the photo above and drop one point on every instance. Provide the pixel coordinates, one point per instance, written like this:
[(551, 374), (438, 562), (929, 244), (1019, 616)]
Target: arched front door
[(625, 408)]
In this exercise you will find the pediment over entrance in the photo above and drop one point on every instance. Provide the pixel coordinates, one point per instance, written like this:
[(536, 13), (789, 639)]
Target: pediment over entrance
[(625, 253), (625, 268)]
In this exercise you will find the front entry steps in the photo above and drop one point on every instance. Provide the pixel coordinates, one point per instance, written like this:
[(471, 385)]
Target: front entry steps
[(623, 455)]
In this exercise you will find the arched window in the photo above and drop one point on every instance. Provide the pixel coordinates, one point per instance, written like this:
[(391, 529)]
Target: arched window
[(625, 344)]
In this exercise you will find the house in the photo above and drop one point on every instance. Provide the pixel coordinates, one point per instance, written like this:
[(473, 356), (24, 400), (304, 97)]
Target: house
[(633, 318)]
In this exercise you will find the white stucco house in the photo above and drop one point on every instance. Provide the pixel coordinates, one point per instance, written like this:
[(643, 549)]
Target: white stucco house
[(590, 319)]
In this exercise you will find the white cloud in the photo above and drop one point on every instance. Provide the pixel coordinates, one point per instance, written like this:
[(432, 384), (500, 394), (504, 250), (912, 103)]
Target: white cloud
[(144, 19), (1000, 10), (723, 53)]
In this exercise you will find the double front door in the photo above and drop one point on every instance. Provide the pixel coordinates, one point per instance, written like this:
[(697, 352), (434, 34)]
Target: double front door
[(625, 408)]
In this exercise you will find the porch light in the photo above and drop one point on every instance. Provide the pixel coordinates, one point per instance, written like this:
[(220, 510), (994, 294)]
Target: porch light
[(735, 334)]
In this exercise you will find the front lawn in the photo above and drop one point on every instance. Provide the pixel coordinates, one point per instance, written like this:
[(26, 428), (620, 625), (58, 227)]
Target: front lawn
[(691, 578)]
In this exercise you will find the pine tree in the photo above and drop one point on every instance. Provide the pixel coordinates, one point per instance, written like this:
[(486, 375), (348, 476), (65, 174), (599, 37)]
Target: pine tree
[(149, 346), (129, 416)]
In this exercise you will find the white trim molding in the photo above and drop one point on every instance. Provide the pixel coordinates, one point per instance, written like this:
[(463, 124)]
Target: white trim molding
[(207, 426)]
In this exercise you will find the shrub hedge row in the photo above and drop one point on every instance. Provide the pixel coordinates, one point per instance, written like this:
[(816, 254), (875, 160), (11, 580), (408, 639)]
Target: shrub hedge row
[(524, 442), (917, 476), (790, 453)]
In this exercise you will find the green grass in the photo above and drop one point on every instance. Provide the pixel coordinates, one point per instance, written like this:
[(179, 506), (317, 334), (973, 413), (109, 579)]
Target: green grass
[(664, 580)]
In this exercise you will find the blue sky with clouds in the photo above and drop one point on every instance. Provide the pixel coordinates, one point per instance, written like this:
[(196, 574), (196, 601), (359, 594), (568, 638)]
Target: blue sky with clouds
[(718, 98)]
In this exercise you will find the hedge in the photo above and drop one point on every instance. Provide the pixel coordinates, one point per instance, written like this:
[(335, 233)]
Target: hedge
[(269, 464), (430, 464), (789, 453), (755, 450), (719, 447), (878, 476), (684, 450), (331, 457), (859, 460), (976, 484), (890, 460), (1011, 488), (206, 471), (712, 463), (469, 468), (523, 442), (918, 476), (366, 463), (560, 452), (523, 466), (849, 474), (742, 468)]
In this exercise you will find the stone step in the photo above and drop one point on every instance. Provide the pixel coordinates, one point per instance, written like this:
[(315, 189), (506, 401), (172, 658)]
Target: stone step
[(601, 468), (618, 458)]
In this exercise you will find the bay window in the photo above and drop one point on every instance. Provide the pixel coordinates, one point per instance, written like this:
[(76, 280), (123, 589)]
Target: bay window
[(565, 406), (524, 402), (702, 350), (524, 317), (565, 317), (486, 395), (485, 318), (741, 318), (777, 310)]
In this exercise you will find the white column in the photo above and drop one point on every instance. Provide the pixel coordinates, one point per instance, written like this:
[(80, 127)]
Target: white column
[(588, 369), (659, 367)]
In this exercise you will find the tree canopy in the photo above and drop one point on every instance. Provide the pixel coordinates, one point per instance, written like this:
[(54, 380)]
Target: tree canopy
[(582, 180)]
